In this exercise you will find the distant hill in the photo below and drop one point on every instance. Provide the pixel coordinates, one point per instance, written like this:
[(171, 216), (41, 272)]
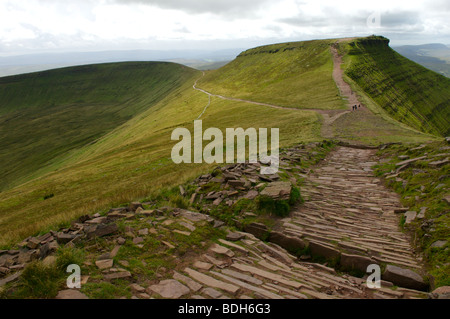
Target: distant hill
[(434, 56), (43, 115), (201, 59)]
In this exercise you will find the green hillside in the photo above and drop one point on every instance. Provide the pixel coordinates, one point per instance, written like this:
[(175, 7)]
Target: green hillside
[(297, 75), (133, 160), (409, 92), (44, 115), (89, 138)]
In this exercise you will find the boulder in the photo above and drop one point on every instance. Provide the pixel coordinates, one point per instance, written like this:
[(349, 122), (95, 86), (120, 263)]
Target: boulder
[(258, 230), (410, 161), (439, 163), (236, 183), (278, 190), (217, 201), (289, 243), (235, 236), (446, 199), (355, 262), (33, 243), (169, 288), (133, 206), (422, 212), (410, 216), (441, 293), (10, 278), (137, 288), (64, 238), (404, 278), (438, 244), (102, 230), (320, 249), (251, 194), (97, 220), (104, 263), (71, 294), (218, 223), (118, 275), (221, 250)]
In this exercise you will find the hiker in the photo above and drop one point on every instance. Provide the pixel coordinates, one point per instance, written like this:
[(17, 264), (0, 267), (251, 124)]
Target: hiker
[(359, 105)]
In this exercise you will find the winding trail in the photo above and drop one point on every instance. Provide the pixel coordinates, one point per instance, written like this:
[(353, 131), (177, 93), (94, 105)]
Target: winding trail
[(329, 116), (348, 211)]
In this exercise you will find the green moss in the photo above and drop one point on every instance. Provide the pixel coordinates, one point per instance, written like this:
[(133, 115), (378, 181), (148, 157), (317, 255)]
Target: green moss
[(420, 190), (268, 205), (107, 290), (38, 282), (295, 196), (68, 256)]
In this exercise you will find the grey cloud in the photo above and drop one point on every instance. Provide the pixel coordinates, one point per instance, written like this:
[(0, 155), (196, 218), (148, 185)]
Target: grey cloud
[(398, 19), (232, 8), (439, 5), (389, 20)]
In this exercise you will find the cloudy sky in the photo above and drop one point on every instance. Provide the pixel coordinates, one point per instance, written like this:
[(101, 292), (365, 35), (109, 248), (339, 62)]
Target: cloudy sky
[(34, 26)]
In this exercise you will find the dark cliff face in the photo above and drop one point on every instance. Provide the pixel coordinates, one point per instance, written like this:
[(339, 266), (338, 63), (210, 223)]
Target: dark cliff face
[(378, 41), (372, 43)]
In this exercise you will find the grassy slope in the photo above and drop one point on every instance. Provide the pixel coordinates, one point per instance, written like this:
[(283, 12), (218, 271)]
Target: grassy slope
[(46, 114), (295, 75), (366, 127), (409, 92), (422, 186), (133, 161)]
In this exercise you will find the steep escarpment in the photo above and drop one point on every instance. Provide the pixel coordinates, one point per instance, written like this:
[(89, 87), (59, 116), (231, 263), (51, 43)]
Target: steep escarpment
[(409, 92)]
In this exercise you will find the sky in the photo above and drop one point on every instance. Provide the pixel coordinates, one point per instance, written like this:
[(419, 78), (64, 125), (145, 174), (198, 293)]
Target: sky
[(38, 26)]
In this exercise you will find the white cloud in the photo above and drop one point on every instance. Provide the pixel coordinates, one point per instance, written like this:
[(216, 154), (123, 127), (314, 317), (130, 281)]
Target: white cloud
[(48, 25)]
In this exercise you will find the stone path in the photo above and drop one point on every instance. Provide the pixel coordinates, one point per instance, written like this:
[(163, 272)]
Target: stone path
[(329, 116), (349, 211), (347, 214), (250, 268)]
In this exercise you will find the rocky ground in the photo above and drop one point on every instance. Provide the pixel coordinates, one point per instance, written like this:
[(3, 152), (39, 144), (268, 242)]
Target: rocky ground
[(420, 175), (240, 234)]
